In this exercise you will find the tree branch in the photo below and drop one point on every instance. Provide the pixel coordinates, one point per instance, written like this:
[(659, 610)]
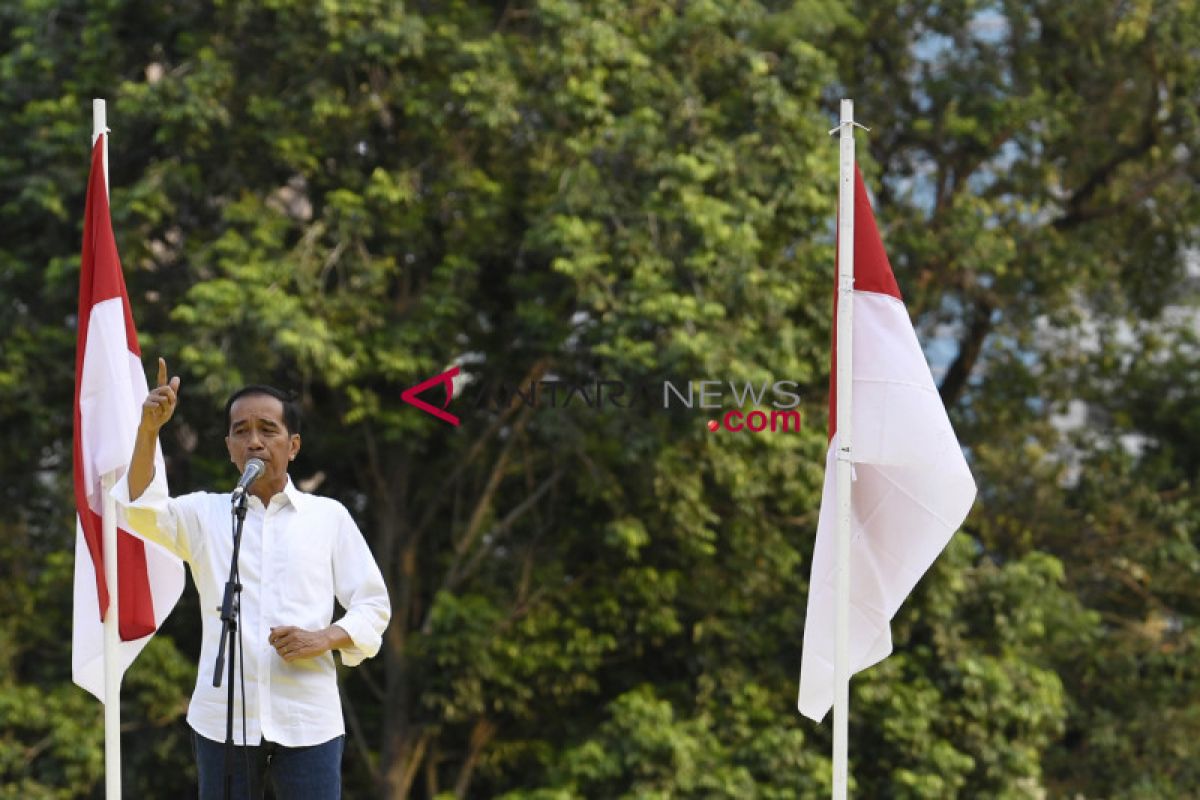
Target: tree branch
[(969, 349), (1076, 212), (456, 575), (535, 374), (481, 734)]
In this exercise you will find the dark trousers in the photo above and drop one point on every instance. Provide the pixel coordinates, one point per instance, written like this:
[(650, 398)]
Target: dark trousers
[(295, 773)]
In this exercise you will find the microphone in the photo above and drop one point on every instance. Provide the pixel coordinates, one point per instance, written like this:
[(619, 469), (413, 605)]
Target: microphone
[(250, 473)]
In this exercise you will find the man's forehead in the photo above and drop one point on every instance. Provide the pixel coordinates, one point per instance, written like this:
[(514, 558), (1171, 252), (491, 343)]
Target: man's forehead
[(262, 407)]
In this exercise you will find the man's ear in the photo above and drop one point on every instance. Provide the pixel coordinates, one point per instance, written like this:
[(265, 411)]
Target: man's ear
[(229, 448), (295, 447)]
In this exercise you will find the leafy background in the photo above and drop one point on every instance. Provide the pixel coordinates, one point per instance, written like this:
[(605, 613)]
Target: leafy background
[(346, 196)]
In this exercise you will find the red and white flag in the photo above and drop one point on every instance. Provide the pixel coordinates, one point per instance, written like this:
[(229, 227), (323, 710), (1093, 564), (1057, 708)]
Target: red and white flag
[(109, 390), (911, 487)]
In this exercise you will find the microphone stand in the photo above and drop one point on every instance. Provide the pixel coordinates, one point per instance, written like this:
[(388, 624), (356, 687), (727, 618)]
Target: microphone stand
[(230, 610)]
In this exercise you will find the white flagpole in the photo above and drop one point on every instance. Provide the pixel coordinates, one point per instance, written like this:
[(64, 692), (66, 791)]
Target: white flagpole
[(845, 381), (112, 636)]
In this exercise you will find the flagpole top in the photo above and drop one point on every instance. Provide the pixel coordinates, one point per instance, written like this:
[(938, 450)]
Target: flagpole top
[(99, 118)]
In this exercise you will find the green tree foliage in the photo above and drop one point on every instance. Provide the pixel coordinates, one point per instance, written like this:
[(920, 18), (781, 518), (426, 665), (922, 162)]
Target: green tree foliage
[(349, 197), (1040, 180)]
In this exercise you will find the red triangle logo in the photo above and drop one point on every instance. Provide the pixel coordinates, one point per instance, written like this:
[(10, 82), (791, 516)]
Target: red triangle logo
[(410, 395)]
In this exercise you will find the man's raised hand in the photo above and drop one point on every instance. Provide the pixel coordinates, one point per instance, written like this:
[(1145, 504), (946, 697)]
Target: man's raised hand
[(160, 403)]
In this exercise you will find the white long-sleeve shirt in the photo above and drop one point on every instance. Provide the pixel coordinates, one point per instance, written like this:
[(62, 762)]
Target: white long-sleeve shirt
[(298, 554)]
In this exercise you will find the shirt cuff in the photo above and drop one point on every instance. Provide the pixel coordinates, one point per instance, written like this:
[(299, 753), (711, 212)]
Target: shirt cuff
[(365, 640)]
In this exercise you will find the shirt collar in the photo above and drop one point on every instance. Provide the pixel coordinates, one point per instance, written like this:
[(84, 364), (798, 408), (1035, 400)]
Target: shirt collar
[(296, 497)]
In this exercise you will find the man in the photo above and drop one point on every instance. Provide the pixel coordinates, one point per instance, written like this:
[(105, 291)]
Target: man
[(299, 552)]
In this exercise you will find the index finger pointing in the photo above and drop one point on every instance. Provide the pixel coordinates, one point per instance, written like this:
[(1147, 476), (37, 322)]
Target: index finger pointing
[(162, 371)]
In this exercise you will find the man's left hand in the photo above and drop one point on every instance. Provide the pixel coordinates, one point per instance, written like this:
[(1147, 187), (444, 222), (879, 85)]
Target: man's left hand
[(294, 643)]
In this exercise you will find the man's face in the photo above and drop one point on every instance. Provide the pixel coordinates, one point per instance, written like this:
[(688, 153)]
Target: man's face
[(256, 430)]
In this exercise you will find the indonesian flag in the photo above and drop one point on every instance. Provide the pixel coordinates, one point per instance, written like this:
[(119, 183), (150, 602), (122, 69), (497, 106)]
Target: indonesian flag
[(109, 390), (911, 488)]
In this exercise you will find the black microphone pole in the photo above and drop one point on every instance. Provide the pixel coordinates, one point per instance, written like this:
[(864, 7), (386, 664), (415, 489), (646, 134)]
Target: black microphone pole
[(230, 609)]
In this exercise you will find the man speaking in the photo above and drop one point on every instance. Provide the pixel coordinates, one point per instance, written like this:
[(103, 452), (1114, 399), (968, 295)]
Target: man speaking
[(299, 552)]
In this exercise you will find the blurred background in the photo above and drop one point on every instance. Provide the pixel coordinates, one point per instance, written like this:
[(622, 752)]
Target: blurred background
[(345, 197)]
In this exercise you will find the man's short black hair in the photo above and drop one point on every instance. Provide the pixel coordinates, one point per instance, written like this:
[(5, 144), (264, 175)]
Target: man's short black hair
[(291, 406)]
